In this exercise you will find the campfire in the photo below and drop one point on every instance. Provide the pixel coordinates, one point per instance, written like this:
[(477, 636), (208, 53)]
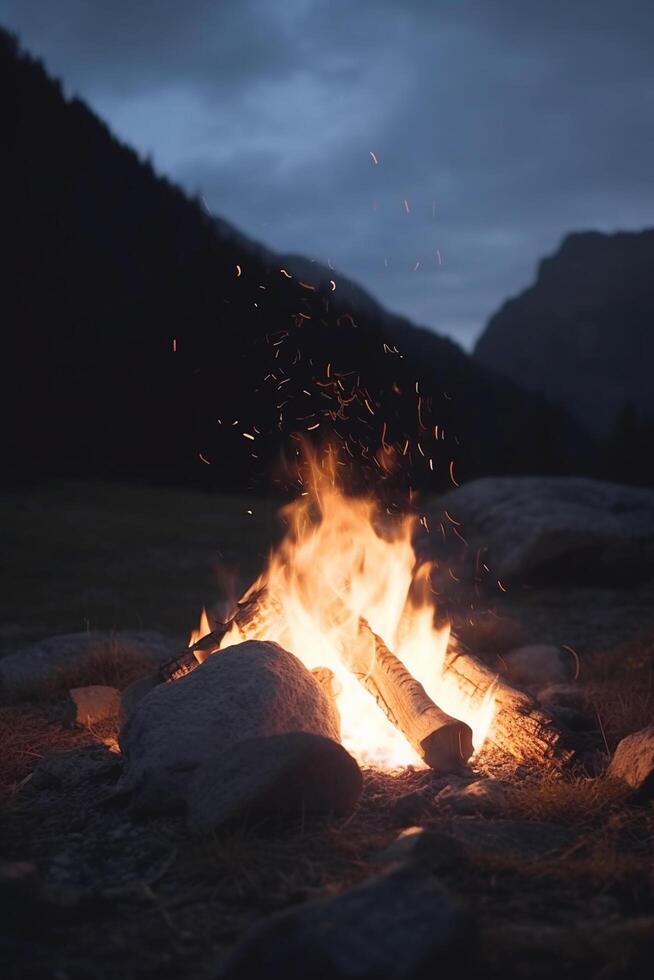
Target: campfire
[(345, 592)]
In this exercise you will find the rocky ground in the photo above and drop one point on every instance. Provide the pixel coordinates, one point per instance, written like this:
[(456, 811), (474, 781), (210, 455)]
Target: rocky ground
[(502, 871)]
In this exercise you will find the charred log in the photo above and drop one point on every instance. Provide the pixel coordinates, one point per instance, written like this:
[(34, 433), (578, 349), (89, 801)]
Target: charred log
[(249, 618), (520, 726)]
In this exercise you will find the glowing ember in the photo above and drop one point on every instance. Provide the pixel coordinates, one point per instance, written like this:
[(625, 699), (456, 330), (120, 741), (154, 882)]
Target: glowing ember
[(341, 560)]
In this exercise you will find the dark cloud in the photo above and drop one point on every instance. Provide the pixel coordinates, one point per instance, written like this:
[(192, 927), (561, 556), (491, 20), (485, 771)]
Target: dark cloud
[(503, 125)]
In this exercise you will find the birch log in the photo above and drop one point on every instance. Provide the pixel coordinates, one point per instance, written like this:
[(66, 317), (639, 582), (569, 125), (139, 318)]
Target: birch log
[(445, 743)]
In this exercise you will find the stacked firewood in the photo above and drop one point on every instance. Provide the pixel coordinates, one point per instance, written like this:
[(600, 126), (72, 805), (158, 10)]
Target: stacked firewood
[(520, 726)]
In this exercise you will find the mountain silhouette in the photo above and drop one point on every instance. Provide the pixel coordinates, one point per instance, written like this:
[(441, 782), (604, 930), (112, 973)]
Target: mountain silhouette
[(144, 339), (583, 333)]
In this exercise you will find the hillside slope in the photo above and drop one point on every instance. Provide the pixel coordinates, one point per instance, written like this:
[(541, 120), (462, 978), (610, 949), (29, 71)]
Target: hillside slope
[(144, 339)]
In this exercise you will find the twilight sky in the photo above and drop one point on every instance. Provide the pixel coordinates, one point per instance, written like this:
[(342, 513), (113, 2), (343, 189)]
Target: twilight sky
[(499, 125)]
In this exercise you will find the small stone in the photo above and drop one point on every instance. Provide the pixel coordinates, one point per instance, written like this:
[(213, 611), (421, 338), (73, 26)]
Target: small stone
[(537, 665), (633, 763), (483, 796), (94, 704), (409, 807), (429, 848), (273, 776), (401, 925), (65, 769)]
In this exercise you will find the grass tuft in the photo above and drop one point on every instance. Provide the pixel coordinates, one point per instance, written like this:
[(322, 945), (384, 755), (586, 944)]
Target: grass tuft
[(113, 663)]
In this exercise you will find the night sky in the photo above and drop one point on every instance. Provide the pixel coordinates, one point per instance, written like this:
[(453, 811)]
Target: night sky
[(498, 126)]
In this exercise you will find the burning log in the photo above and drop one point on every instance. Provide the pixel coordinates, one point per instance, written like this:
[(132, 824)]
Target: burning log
[(247, 618), (520, 727), (443, 742)]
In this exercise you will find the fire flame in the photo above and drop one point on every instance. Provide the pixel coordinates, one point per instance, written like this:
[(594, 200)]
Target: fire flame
[(342, 560), (202, 629)]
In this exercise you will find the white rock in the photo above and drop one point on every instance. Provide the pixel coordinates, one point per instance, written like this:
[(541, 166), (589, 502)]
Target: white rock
[(250, 690), (633, 763)]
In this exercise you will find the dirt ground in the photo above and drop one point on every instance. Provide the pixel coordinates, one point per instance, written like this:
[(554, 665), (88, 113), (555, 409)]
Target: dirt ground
[(558, 873)]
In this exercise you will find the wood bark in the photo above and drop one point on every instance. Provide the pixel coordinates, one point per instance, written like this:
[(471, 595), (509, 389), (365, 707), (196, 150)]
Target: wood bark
[(520, 727), (445, 743)]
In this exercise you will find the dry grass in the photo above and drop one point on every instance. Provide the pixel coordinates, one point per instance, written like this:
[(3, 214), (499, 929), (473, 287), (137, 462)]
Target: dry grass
[(303, 855), (113, 663), (597, 861), (618, 688), (28, 732), (562, 798), (248, 864)]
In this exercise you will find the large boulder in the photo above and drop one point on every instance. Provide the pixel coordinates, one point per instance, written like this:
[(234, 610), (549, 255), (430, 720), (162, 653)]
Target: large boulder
[(77, 659), (399, 926), (633, 763), (273, 776), (557, 530), (250, 690)]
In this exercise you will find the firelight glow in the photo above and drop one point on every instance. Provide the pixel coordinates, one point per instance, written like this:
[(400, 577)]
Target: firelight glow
[(342, 560)]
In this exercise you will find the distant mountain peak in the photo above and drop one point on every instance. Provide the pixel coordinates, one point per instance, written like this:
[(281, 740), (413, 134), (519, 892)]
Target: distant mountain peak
[(583, 333)]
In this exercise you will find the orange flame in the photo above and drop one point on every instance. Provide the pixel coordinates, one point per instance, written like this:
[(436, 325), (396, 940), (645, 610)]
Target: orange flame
[(341, 560), (202, 630)]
